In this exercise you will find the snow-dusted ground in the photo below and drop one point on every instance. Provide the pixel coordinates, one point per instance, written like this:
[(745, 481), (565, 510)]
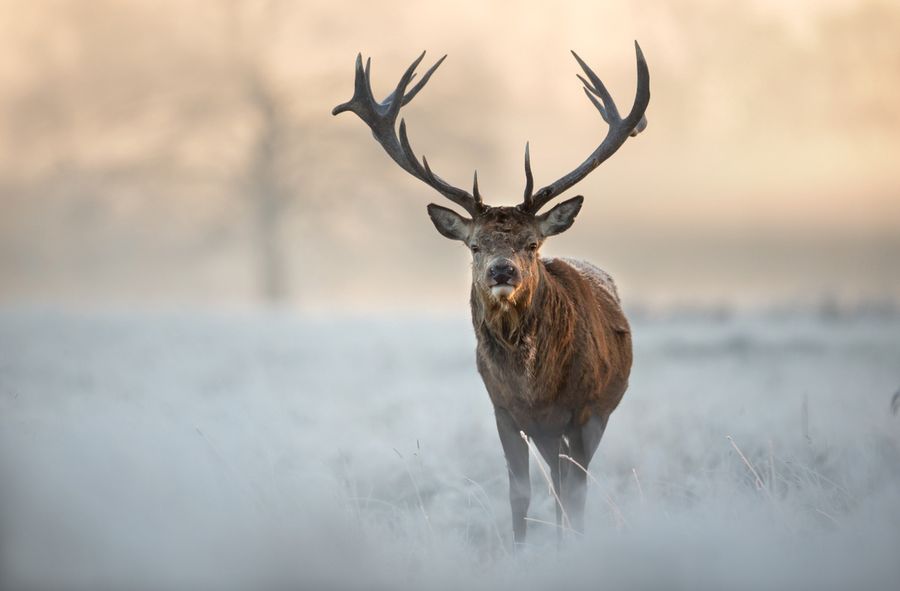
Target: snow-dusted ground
[(204, 451)]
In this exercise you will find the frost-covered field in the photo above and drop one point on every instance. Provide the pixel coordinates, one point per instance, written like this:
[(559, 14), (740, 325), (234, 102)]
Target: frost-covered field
[(204, 451)]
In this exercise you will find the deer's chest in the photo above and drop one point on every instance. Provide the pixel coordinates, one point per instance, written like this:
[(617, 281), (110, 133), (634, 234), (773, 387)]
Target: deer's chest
[(511, 379)]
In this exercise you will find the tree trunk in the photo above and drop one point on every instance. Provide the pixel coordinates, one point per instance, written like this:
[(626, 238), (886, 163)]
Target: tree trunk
[(267, 192)]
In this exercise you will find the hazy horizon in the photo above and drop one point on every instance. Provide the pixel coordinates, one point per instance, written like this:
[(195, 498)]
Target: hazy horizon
[(133, 140)]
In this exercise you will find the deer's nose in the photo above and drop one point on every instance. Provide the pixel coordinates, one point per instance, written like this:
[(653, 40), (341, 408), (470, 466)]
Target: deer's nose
[(502, 271)]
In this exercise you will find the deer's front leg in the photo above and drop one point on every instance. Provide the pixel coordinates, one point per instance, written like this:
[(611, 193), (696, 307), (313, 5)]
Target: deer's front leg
[(516, 451), (550, 448)]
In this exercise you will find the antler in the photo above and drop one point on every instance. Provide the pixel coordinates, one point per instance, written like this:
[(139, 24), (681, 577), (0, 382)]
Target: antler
[(619, 130), (381, 118)]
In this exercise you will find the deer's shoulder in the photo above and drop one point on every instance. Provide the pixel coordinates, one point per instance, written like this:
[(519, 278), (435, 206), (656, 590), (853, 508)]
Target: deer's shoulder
[(594, 275)]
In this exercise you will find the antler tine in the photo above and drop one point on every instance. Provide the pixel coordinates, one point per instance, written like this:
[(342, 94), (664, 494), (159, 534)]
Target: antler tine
[(529, 180), (408, 153), (368, 75), (423, 172), (619, 129), (391, 102), (588, 93), (462, 198), (415, 89), (597, 87), (362, 102), (381, 118)]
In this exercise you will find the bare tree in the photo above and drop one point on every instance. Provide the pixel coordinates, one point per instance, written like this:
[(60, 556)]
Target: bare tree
[(264, 185), (263, 181)]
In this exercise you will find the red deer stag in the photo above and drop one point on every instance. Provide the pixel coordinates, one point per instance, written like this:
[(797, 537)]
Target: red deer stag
[(554, 347)]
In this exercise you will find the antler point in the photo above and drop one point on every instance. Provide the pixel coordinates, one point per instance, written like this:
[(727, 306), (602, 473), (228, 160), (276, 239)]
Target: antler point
[(381, 117)]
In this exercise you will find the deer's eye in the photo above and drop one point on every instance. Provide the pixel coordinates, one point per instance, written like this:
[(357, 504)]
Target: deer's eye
[(474, 248), (532, 247)]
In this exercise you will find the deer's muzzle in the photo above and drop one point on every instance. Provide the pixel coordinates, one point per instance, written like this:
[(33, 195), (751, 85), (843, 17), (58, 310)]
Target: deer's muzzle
[(503, 278)]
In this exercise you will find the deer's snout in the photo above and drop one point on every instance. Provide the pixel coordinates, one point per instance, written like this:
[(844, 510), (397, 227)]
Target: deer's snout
[(502, 272)]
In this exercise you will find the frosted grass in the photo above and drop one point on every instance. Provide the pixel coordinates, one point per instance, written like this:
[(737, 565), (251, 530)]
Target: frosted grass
[(267, 451)]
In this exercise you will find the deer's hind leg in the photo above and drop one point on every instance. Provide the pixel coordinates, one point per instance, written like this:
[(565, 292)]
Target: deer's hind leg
[(583, 442), (551, 448)]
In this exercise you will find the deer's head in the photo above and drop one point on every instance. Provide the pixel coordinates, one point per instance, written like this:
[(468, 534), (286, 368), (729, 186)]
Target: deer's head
[(504, 241)]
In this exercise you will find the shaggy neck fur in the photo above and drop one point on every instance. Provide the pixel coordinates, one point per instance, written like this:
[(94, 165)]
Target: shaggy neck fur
[(506, 320), (556, 331)]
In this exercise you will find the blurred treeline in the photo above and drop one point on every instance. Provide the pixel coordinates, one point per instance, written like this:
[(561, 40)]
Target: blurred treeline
[(183, 151)]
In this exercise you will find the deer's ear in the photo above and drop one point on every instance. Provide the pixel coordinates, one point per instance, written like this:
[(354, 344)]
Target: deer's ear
[(449, 223), (560, 218)]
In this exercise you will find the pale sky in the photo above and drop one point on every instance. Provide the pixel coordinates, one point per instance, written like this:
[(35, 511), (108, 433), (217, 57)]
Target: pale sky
[(767, 173)]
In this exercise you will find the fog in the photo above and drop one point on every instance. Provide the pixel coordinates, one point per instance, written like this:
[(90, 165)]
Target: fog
[(235, 354), (199, 451), (168, 152)]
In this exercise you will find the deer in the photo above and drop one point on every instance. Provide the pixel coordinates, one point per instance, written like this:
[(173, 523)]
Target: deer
[(554, 347)]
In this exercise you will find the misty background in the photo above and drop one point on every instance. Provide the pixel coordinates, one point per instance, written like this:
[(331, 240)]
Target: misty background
[(235, 354), (171, 152)]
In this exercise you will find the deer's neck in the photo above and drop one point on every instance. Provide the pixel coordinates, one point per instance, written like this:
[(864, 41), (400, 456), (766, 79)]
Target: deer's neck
[(533, 342), (516, 324)]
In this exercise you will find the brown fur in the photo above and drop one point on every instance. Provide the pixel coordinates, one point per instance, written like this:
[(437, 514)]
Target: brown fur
[(554, 348), (504, 319), (560, 354)]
